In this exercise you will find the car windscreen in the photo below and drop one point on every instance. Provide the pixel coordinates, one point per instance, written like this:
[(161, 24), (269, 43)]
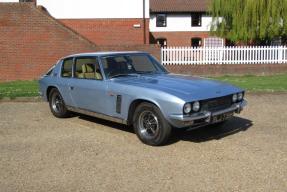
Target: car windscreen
[(120, 65)]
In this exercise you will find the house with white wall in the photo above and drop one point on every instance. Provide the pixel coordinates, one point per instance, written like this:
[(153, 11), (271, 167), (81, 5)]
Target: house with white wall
[(181, 23), (135, 22)]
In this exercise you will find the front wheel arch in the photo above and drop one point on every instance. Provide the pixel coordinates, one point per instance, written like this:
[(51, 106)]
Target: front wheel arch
[(134, 104), (150, 125)]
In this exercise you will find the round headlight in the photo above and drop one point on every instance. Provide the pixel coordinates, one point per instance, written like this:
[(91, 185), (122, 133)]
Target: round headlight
[(196, 106), (187, 108), (240, 96), (234, 98)]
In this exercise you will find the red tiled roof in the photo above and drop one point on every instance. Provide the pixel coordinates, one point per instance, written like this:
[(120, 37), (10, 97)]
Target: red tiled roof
[(179, 5)]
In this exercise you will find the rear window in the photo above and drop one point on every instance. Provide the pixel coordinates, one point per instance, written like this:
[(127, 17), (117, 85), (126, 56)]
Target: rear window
[(67, 68)]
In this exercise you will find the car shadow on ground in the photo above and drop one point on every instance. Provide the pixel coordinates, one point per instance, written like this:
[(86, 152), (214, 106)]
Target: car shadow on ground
[(103, 122), (212, 132), (203, 134)]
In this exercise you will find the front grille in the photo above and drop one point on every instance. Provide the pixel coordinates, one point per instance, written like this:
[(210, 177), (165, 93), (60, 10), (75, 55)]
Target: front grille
[(217, 103)]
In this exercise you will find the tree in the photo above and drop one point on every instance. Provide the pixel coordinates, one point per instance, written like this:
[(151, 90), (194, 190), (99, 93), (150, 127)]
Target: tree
[(249, 20)]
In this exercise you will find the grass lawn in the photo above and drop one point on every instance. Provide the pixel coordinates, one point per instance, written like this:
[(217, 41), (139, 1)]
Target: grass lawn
[(274, 83), (19, 89)]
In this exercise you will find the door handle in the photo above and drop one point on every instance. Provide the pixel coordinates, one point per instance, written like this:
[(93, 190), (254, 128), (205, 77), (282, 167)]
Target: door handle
[(71, 88)]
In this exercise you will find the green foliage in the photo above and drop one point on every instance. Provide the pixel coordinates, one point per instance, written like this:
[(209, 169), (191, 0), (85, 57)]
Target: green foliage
[(19, 89), (249, 20), (273, 83)]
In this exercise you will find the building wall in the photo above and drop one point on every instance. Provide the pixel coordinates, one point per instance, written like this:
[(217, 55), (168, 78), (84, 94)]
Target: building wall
[(9, 1), (31, 41), (178, 38), (109, 22), (111, 31), (91, 9), (180, 23)]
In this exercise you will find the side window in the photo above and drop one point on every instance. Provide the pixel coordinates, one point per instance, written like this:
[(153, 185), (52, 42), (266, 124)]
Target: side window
[(67, 68), (88, 68), (161, 20)]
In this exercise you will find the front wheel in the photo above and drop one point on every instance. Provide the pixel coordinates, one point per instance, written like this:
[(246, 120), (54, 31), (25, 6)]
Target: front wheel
[(150, 125), (57, 104)]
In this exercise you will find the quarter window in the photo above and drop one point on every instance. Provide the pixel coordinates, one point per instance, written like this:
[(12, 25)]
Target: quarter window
[(196, 20), (161, 20), (88, 68), (67, 68)]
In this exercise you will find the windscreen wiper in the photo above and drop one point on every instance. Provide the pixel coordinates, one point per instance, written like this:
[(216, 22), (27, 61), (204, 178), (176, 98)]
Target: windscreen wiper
[(147, 72), (122, 75)]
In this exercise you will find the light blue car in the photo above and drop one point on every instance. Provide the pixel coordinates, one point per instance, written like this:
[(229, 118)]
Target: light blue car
[(133, 88)]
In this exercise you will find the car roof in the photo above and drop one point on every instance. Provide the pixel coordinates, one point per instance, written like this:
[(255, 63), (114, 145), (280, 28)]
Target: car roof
[(105, 53)]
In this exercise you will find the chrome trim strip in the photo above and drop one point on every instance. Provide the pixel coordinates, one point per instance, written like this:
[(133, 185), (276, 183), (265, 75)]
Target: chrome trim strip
[(98, 115), (207, 114)]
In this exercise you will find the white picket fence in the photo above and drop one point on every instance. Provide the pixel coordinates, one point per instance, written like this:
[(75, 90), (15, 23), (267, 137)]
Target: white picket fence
[(223, 55)]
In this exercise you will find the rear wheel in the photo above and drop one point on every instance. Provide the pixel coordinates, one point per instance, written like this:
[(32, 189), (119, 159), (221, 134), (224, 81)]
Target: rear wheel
[(150, 125), (57, 104)]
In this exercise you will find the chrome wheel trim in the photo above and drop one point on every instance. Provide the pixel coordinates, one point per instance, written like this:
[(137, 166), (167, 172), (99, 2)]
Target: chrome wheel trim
[(148, 124), (57, 103)]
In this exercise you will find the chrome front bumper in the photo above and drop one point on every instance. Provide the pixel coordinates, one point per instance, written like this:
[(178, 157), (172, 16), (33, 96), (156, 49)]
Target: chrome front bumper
[(205, 116)]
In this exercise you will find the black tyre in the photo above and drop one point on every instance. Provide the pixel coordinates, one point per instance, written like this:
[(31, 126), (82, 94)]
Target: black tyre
[(150, 125), (57, 104)]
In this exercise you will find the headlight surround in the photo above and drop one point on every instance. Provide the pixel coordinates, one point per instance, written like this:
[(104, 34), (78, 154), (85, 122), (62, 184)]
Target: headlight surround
[(187, 108), (240, 96), (234, 98), (191, 107), (196, 106)]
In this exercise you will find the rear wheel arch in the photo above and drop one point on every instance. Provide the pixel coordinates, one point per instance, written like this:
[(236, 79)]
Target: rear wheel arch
[(49, 89), (57, 104)]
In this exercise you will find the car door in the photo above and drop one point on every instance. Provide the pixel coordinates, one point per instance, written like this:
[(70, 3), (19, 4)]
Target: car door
[(88, 86), (65, 81)]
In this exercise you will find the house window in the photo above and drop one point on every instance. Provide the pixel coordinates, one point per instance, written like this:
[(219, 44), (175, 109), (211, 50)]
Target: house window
[(196, 20), (161, 20), (162, 42), (196, 42)]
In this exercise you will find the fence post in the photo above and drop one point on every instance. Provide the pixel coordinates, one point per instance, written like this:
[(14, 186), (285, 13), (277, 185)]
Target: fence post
[(223, 55), (280, 54), (161, 55)]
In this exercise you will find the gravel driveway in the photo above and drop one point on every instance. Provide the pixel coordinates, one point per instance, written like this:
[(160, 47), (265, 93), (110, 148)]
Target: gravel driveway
[(41, 153)]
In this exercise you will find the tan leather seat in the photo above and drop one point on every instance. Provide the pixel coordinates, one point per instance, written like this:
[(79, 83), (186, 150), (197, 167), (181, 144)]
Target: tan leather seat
[(89, 72)]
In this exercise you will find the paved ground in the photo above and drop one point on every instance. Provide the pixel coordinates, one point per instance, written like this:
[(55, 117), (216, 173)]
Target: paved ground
[(41, 153)]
